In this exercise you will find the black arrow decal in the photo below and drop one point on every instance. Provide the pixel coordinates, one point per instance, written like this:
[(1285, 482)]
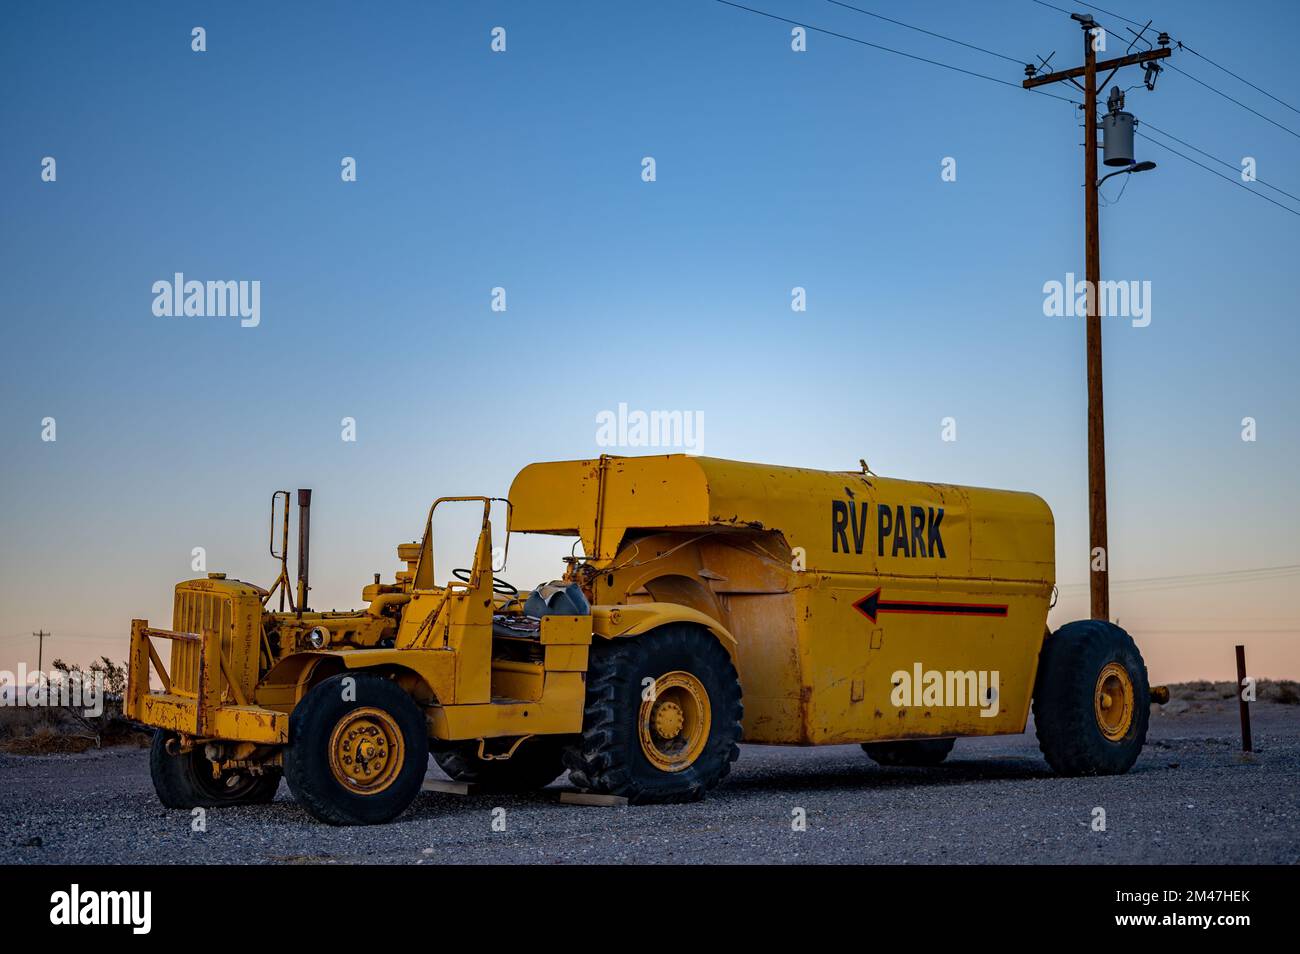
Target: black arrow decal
[(872, 605)]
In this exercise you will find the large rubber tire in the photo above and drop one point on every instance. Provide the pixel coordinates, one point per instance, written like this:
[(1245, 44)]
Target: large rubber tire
[(916, 752), (307, 758), (184, 780), (535, 764), (1070, 732), (608, 758)]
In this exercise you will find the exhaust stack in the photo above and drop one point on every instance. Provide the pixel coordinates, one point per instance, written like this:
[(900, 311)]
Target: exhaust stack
[(304, 546)]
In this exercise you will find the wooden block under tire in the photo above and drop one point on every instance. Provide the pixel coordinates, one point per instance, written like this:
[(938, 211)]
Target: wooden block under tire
[(448, 788), (591, 798)]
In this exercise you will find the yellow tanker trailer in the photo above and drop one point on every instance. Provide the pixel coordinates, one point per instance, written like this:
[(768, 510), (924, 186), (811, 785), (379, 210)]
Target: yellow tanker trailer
[(714, 602)]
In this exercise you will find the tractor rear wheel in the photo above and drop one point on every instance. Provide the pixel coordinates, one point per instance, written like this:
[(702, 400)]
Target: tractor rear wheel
[(662, 720), (1091, 699), (536, 763), (358, 750), (184, 779), (920, 752)]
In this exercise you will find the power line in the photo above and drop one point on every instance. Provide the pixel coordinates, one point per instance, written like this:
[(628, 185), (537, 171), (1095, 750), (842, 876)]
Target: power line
[(918, 29), (1184, 46), (1204, 579), (1226, 630), (1090, 6), (1222, 162), (1053, 6), (74, 638), (70, 636), (1093, 6), (886, 49), (1106, 29), (1237, 101), (1169, 148), (1219, 174), (994, 79)]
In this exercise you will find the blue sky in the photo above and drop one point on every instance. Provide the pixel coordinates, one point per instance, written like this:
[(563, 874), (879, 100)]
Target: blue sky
[(522, 170)]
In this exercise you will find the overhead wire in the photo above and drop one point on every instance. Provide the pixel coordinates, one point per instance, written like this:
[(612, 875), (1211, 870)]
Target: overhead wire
[(887, 49), (941, 36), (1222, 162), (1194, 79), (1214, 172)]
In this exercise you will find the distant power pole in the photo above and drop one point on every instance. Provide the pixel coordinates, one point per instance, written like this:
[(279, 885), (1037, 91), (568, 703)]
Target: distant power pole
[(1099, 585), (40, 652)]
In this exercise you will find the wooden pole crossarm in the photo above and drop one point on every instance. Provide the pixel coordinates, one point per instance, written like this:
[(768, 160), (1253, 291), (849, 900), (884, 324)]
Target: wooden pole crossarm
[(1133, 59)]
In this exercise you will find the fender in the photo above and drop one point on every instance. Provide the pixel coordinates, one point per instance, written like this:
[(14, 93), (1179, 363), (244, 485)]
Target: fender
[(632, 619), (432, 670)]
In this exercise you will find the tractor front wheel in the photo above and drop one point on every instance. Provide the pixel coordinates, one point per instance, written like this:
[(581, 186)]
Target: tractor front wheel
[(184, 779), (358, 750)]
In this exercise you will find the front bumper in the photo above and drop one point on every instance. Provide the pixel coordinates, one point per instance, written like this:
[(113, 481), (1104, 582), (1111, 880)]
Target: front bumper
[(198, 702)]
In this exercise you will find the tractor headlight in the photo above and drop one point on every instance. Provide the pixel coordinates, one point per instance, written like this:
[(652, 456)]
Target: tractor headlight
[(318, 637)]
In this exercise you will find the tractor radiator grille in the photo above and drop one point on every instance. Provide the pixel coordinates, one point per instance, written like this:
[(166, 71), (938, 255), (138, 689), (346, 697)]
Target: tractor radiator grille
[(197, 612)]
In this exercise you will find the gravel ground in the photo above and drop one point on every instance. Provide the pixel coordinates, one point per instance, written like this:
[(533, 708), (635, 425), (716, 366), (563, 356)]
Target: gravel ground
[(1191, 798)]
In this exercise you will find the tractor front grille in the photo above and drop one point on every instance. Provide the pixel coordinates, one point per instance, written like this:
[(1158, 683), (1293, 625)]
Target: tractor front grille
[(199, 612)]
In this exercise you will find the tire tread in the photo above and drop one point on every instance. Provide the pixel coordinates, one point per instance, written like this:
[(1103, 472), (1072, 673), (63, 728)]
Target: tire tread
[(599, 760), (1068, 665)]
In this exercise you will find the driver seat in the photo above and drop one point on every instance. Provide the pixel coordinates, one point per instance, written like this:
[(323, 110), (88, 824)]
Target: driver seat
[(556, 598)]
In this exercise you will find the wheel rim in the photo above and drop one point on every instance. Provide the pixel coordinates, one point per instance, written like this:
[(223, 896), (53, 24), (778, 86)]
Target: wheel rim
[(674, 723), (1112, 701), (366, 751)]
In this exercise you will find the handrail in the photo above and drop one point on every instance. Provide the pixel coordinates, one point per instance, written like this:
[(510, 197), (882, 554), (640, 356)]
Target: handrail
[(282, 582), (172, 634), (426, 544)]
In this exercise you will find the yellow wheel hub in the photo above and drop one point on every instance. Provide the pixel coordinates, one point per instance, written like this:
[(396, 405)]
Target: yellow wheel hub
[(674, 724), (1113, 701), (366, 750)]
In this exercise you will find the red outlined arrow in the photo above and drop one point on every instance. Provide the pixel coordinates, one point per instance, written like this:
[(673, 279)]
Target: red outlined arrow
[(871, 605)]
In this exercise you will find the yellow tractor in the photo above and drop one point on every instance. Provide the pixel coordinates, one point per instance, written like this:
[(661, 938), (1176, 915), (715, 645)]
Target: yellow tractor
[(713, 602)]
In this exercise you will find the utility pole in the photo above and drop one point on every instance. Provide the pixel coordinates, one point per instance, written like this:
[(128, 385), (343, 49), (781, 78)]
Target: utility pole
[(1099, 586), (40, 652)]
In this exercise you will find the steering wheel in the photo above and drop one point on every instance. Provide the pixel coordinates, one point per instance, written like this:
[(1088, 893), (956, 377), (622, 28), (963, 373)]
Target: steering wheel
[(499, 586)]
